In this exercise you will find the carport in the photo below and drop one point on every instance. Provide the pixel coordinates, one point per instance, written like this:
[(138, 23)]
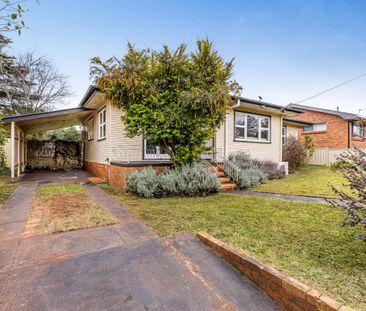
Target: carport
[(22, 125)]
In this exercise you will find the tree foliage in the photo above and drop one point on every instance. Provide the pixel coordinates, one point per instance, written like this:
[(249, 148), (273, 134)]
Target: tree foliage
[(64, 134), (173, 98), (354, 171), (11, 16)]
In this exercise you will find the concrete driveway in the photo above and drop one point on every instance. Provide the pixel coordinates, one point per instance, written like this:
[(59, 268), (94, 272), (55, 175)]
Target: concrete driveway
[(119, 267)]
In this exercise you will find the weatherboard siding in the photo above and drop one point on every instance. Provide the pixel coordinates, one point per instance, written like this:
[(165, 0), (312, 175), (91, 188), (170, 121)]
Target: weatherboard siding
[(259, 150)]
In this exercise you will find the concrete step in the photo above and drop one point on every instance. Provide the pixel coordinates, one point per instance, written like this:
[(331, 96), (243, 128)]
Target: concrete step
[(96, 180), (224, 180), (227, 187)]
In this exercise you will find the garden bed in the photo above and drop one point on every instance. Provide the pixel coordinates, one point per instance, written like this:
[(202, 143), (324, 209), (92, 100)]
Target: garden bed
[(64, 208), (304, 240)]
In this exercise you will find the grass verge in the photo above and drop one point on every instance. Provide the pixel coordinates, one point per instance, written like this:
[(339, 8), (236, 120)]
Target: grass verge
[(65, 208), (304, 240), (6, 189), (308, 181)]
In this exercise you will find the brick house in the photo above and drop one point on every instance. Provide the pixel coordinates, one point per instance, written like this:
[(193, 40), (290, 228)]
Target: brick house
[(331, 128)]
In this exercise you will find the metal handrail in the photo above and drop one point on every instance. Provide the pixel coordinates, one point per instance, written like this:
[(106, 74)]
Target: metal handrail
[(231, 169), (208, 165)]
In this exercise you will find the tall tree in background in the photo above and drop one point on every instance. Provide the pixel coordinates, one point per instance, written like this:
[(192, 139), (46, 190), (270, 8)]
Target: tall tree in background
[(173, 98), (32, 85)]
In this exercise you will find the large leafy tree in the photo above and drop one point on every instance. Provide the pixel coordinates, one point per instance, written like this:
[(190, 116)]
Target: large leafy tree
[(174, 98)]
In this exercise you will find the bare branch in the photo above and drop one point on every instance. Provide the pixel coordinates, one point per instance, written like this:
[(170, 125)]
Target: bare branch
[(31, 84)]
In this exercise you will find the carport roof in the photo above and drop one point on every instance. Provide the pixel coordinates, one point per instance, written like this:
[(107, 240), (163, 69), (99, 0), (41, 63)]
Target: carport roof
[(45, 121)]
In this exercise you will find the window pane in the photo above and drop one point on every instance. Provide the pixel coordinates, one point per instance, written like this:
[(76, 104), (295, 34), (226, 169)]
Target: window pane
[(252, 127), (239, 132), (265, 135), (320, 127), (308, 128), (265, 122), (357, 130), (239, 118)]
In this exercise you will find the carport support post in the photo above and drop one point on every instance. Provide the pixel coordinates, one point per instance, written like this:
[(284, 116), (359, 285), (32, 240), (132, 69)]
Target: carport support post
[(19, 150), (12, 150)]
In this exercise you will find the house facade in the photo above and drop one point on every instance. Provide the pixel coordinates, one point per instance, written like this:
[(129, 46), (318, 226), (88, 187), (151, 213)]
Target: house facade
[(251, 126), (331, 128)]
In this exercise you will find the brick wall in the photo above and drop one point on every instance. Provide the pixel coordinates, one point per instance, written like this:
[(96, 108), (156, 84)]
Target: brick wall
[(97, 169), (116, 174), (291, 294), (336, 135)]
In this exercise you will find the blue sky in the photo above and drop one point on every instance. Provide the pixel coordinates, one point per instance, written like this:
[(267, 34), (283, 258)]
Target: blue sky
[(284, 50)]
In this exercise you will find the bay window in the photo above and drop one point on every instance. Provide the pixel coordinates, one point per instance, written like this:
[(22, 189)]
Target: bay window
[(252, 127)]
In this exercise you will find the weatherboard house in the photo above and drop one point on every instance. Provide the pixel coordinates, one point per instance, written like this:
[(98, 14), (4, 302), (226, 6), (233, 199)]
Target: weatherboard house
[(256, 127)]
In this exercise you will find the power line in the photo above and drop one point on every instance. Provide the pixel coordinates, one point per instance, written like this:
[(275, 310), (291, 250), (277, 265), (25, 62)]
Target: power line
[(332, 88)]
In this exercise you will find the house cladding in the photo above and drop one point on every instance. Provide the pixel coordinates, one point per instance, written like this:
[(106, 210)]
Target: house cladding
[(338, 132)]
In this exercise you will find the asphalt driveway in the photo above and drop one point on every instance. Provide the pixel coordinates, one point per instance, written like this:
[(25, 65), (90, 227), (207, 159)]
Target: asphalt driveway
[(119, 267)]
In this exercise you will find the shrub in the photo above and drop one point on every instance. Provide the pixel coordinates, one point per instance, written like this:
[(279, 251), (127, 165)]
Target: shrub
[(355, 203), (143, 183), (250, 177), (340, 165), (190, 180), (250, 174), (241, 159), (271, 169), (294, 152)]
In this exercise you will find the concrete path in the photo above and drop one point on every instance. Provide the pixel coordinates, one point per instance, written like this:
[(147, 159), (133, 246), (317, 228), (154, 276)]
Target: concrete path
[(119, 267), (287, 197)]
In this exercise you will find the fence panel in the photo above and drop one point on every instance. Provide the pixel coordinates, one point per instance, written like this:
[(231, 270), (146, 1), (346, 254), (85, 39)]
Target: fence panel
[(326, 156)]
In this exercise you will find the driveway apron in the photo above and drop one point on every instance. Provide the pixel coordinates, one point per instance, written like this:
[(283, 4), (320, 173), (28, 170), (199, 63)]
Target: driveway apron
[(120, 267)]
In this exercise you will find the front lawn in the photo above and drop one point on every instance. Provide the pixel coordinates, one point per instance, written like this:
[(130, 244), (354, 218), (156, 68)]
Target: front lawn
[(6, 189), (308, 181), (64, 208), (304, 240)]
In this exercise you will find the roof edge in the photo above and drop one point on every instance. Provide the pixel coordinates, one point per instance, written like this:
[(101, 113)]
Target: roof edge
[(266, 104), (88, 94), (38, 115)]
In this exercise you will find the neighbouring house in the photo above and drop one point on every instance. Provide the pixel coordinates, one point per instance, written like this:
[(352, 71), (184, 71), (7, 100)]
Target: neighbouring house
[(332, 129), (292, 127), (252, 126)]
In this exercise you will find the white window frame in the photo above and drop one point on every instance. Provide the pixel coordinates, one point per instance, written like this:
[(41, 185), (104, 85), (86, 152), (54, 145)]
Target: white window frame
[(284, 133), (90, 129), (318, 127), (260, 128), (158, 155), (102, 124), (361, 129)]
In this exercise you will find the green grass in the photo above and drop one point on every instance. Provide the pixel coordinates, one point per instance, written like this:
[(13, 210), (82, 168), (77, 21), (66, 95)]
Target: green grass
[(304, 240), (65, 208), (308, 181), (6, 189)]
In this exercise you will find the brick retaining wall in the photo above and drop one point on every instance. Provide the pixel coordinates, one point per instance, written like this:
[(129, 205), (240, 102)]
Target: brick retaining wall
[(116, 173), (97, 169), (288, 292)]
